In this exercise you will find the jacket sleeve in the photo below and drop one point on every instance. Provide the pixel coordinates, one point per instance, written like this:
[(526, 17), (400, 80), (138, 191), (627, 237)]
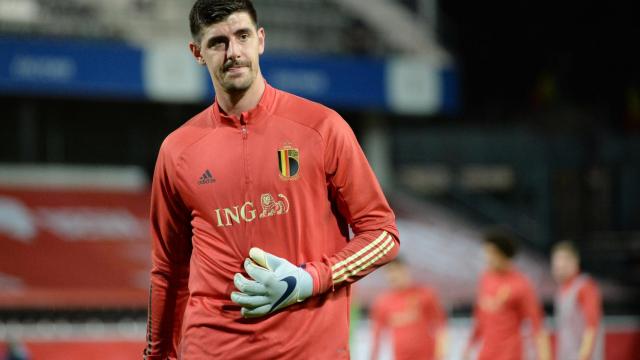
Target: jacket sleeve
[(355, 192), (476, 330), (476, 334), (531, 307), (434, 309), (171, 251), (590, 302)]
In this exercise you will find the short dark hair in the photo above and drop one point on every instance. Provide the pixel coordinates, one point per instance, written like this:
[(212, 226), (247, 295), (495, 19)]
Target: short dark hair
[(207, 12), (503, 240), (568, 246)]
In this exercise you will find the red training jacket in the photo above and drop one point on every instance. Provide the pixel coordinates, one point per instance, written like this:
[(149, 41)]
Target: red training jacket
[(288, 177), (414, 317), (505, 300)]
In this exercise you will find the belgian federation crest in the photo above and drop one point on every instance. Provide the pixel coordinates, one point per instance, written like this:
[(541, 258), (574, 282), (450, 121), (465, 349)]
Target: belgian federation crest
[(288, 162)]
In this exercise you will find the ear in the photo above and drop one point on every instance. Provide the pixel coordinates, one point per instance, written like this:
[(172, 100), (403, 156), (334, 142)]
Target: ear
[(195, 50), (261, 39)]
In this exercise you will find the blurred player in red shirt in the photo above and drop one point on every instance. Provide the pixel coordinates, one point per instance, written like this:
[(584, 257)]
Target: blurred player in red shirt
[(505, 301), (413, 316), (251, 206), (578, 308)]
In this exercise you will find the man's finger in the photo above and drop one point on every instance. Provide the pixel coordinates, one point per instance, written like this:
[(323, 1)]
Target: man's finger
[(247, 286), (257, 312), (258, 273), (248, 301), (264, 259), (259, 256)]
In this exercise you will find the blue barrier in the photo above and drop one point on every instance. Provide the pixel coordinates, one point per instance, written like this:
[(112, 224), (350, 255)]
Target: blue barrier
[(166, 72), (70, 68)]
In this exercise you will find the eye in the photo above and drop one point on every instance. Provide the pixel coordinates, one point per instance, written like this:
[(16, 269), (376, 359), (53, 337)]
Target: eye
[(244, 36), (217, 43)]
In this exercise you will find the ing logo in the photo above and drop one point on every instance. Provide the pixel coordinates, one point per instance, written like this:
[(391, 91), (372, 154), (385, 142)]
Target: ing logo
[(247, 212)]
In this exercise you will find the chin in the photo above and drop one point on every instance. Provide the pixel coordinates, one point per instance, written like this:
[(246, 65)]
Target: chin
[(240, 86)]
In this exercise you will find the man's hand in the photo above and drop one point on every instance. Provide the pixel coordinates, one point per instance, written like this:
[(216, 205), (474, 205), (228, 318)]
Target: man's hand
[(543, 345), (275, 283)]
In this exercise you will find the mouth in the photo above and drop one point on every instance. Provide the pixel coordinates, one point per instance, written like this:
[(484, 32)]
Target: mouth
[(234, 67)]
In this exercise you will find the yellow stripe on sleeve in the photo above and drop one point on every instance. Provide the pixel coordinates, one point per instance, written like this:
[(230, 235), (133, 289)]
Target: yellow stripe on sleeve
[(368, 256), (376, 258), (336, 266)]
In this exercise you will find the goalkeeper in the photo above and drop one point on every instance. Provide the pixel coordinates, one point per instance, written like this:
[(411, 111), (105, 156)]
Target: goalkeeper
[(251, 204)]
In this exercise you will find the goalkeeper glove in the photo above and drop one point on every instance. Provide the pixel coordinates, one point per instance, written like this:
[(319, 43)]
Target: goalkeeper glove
[(275, 283)]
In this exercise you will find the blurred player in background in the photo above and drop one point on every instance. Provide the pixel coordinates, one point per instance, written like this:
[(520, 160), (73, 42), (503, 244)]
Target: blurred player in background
[(413, 316), (252, 200), (506, 299), (578, 307), (16, 350)]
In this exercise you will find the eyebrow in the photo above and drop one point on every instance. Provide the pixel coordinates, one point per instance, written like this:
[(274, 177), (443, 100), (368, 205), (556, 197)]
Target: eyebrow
[(223, 38), (217, 39), (242, 31)]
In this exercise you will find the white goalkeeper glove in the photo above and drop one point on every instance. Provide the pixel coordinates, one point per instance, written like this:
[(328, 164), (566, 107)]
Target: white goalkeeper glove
[(275, 283)]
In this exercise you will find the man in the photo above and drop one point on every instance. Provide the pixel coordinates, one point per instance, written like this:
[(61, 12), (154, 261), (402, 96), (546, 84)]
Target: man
[(16, 350), (578, 307), (505, 300), (411, 314), (256, 184)]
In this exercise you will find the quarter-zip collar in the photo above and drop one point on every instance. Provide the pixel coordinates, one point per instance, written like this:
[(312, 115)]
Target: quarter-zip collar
[(264, 107)]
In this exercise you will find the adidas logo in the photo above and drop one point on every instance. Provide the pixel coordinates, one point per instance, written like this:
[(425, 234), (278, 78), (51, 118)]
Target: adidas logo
[(206, 178)]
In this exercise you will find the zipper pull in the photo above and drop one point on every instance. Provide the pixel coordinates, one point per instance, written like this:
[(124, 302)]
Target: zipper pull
[(243, 126)]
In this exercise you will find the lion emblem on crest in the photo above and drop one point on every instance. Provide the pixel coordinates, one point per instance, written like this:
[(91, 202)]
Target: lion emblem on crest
[(271, 206)]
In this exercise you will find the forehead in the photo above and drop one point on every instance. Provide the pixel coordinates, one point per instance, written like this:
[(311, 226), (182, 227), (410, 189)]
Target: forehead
[(563, 254), (394, 266), (489, 247), (234, 22)]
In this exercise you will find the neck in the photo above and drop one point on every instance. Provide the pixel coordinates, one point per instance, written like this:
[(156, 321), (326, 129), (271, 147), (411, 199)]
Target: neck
[(503, 268), (401, 287), (235, 103), (570, 278)]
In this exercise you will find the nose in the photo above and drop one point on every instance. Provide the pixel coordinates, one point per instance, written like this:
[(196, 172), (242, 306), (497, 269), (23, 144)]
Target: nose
[(233, 50)]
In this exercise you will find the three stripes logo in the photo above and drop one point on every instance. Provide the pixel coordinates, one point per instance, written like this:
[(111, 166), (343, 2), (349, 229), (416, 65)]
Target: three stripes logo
[(363, 259), (206, 178), (288, 162)]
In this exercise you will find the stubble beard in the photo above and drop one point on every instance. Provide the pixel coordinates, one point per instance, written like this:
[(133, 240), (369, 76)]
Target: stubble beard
[(238, 85)]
